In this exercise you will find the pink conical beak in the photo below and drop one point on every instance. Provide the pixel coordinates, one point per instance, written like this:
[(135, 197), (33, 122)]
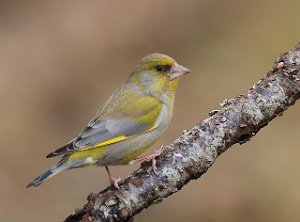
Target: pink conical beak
[(178, 71)]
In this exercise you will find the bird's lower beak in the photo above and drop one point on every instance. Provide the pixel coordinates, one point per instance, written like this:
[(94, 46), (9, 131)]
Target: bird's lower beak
[(177, 71)]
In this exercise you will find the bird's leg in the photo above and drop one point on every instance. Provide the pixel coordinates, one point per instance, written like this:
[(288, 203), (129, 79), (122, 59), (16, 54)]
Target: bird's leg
[(113, 181), (150, 157)]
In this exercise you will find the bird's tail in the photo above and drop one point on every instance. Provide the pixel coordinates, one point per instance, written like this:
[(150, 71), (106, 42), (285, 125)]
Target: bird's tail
[(46, 175)]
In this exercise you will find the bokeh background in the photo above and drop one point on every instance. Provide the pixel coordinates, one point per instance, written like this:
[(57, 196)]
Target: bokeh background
[(59, 60)]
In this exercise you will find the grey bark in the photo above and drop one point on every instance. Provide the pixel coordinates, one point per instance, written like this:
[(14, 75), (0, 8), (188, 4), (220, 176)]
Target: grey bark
[(193, 153)]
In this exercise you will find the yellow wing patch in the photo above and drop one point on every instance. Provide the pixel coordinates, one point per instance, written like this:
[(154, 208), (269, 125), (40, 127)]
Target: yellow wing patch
[(92, 152), (110, 141), (115, 140)]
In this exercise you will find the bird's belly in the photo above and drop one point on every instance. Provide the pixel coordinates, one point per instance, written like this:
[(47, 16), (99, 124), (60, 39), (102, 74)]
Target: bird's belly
[(123, 152)]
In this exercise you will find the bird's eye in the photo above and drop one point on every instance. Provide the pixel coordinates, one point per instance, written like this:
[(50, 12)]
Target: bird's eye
[(162, 68)]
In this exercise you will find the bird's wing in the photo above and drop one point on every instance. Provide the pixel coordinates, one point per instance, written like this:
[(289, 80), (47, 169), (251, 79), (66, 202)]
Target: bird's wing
[(126, 114)]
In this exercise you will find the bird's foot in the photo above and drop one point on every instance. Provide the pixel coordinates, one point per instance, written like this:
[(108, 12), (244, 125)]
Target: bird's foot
[(114, 182), (149, 157)]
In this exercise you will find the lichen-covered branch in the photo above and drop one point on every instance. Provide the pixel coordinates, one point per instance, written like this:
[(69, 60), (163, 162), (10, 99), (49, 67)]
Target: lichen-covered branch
[(191, 155)]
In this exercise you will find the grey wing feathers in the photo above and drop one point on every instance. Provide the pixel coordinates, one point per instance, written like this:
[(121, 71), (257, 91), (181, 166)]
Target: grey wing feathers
[(100, 132), (106, 130), (62, 150)]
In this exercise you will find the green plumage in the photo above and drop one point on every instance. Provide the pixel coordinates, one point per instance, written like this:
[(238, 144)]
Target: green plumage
[(132, 119)]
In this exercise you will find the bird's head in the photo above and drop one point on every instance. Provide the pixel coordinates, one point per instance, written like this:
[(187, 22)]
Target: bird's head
[(158, 72)]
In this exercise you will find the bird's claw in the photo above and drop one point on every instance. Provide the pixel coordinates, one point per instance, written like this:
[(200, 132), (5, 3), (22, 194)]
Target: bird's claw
[(114, 182), (151, 157)]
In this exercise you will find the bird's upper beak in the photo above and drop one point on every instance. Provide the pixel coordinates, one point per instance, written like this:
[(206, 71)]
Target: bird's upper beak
[(177, 71)]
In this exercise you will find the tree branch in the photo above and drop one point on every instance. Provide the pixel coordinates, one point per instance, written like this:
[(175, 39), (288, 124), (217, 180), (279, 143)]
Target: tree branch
[(191, 155)]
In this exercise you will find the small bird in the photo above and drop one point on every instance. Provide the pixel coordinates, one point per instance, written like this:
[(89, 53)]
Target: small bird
[(131, 120)]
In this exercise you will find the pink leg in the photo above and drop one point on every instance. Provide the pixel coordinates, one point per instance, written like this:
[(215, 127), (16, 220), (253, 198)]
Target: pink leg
[(149, 157), (113, 181)]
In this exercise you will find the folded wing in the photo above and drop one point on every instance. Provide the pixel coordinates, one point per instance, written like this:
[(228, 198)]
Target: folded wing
[(126, 114)]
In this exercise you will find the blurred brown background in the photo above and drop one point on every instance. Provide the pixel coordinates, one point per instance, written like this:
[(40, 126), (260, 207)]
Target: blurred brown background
[(59, 60)]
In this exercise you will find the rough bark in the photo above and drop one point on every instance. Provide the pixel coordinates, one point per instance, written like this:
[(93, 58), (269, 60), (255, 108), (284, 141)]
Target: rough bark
[(191, 155)]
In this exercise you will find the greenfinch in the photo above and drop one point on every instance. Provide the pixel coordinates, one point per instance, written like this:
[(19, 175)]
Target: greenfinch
[(131, 120)]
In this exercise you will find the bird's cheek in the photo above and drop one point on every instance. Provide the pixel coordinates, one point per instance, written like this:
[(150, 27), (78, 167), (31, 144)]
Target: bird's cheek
[(173, 85)]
